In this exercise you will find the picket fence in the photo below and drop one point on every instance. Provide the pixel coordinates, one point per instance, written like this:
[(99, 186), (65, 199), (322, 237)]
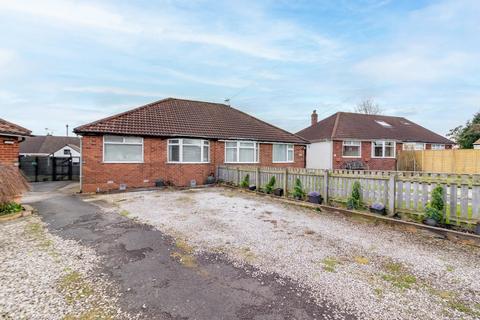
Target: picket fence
[(400, 191)]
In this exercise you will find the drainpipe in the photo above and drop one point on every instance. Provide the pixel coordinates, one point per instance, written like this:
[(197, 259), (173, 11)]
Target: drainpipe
[(81, 164)]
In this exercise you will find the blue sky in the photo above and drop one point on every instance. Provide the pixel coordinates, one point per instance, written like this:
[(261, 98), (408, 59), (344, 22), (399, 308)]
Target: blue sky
[(72, 62)]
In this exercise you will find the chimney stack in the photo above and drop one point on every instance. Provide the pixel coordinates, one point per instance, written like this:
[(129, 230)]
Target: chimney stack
[(314, 117)]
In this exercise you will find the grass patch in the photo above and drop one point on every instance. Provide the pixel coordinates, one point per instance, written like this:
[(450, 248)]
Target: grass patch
[(124, 213), (187, 260), (329, 264), (361, 260), (450, 268), (37, 232), (74, 287), (184, 246), (247, 255), (398, 276)]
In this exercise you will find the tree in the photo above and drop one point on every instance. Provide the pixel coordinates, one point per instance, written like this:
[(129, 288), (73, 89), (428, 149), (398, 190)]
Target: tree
[(368, 106), (466, 135)]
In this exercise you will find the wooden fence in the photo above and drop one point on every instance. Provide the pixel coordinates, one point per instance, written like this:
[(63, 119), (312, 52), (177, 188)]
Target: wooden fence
[(459, 161), (400, 192)]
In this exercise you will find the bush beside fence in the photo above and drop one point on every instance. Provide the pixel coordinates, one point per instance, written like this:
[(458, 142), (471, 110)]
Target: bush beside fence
[(399, 191)]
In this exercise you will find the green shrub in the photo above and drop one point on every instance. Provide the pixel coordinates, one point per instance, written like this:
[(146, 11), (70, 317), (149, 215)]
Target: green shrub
[(9, 207), (270, 185), (246, 181), (355, 200), (434, 209), (298, 191), (434, 213), (437, 198)]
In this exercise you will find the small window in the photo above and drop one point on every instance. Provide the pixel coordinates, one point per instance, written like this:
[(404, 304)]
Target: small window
[(383, 124), (383, 149), (414, 146), (352, 148), (282, 153), (436, 146), (188, 150), (66, 152), (122, 149), (241, 152)]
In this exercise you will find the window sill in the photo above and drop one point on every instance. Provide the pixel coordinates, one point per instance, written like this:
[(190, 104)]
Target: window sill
[(352, 157), (383, 157), (283, 161), (241, 162), (175, 162), (124, 162)]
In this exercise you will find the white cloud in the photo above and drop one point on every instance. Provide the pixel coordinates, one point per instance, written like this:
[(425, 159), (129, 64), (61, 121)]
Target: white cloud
[(6, 57)]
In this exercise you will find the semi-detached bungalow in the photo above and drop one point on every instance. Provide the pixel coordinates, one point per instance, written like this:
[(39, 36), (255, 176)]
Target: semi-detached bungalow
[(179, 141), (360, 141)]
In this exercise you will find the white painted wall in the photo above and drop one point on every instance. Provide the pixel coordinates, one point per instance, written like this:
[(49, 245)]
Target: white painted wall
[(61, 154), (319, 155), (476, 146)]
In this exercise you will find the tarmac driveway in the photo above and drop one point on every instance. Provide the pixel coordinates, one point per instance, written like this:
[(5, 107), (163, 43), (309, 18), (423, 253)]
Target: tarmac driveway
[(153, 273)]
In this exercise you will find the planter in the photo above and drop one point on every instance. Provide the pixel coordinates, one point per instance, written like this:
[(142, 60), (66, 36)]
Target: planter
[(210, 180), (278, 192), (315, 199), (252, 188), (378, 208), (477, 228), (297, 198), (430, 222)]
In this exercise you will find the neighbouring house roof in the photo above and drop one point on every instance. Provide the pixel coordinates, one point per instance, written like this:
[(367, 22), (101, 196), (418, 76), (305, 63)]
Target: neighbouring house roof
[(477, 142), (8, 128), (46, 145), (347, 125), (173, 117)]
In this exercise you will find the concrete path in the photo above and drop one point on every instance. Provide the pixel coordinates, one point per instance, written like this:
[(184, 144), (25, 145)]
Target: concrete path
[(139, 259)]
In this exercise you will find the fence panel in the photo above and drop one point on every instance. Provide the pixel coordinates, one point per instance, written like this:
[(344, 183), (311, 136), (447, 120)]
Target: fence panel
[(406, 192)]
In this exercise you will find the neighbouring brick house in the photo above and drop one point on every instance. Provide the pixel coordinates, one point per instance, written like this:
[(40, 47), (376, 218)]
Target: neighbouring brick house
[(361, 141), (179, 140), (10, 137)]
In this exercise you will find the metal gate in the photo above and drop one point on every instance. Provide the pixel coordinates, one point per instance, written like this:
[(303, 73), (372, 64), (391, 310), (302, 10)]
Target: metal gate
[(49, 168)]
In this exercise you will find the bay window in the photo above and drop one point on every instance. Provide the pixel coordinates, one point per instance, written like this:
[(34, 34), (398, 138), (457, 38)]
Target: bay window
[(241, 152), (122, 149), (383, 149), (188, 150), (282, 153), (351, 148)]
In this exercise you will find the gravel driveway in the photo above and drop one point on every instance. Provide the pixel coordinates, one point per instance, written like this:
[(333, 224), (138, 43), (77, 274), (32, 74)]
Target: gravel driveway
[(367, 269)]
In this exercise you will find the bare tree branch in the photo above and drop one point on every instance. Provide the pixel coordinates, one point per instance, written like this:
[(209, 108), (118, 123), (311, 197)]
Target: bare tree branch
[(368, 106)]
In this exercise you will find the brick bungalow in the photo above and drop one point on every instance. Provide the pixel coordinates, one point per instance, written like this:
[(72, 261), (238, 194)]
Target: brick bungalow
[(179, 141), (361, 141), (10, 137)]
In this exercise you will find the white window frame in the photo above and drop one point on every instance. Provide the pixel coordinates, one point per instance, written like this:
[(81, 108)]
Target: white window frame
[(349, 143), (122, 143), (180, 144), (383, 142), (405, 144), (290, 147), (438, 146), (256, 147)]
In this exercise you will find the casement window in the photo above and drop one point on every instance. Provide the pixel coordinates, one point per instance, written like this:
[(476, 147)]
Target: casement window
[(352, 148), (414, 146), (122, 149), (241, 152), (282, 153), (383, 149), (437, 146), (188, 151)]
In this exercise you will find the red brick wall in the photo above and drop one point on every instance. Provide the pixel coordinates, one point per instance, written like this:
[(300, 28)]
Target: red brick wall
[(108, 176), (9, 152), (366, 157)]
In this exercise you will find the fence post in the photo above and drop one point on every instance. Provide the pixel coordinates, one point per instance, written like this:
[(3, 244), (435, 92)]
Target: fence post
[(238, 176), (257, 177), (391, 194), (325, 185), (285, 182)]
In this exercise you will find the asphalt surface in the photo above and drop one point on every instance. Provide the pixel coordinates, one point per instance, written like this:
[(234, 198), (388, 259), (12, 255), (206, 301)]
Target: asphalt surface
[(139, 260)]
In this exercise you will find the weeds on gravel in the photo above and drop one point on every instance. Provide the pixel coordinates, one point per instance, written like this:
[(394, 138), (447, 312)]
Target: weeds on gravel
[(124, 213), (185, 256), (361, 260), (454, 303), (74, 286), (329, 264), (37, 232), (398, 277), (93, 314)]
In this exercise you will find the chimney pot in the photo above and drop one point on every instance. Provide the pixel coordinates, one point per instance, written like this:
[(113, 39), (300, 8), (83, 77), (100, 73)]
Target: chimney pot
[(314, 117)]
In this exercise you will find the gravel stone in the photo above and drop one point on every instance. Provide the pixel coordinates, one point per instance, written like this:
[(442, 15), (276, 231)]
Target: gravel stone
[(370, 269)]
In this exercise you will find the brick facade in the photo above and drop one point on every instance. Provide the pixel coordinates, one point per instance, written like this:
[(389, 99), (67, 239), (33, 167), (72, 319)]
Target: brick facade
[(9, 147), (365, 156), (99, 176)]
